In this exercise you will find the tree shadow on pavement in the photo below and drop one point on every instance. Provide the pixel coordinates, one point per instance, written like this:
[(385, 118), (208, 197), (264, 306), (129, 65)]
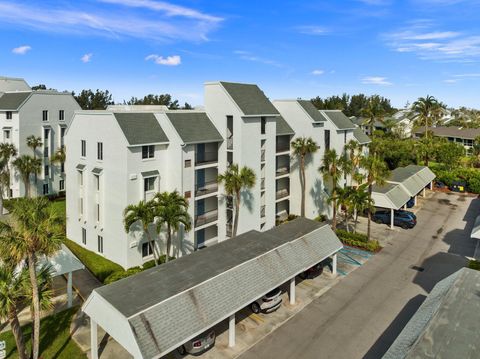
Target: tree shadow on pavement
[(391, 333)]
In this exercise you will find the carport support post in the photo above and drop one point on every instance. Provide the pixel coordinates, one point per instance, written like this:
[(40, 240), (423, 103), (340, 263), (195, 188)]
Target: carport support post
[(414, 200), (424, 192), (93, 339), (431, 185), (391, 218), (69, 289), (291, 293), (231, 331), (334, 264)]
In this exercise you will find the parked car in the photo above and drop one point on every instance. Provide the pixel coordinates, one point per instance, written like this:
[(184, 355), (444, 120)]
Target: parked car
[(315, 271), (199, 344), (459, 186), (403, 219), (440, 184), (411, 202), (268, 303)]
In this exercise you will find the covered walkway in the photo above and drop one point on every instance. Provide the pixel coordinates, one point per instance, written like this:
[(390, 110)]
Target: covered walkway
[(156, 311), (404, 183)]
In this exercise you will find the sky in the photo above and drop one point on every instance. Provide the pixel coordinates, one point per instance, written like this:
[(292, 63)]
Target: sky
[(292, 49)]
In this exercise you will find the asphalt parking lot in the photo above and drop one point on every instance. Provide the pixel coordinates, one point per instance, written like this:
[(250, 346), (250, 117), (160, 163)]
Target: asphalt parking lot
[(362, 315)]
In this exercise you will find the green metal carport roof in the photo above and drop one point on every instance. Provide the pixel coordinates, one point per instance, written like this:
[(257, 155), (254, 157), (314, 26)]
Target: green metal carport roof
[(389, 195), (155, 311), (413, 178)]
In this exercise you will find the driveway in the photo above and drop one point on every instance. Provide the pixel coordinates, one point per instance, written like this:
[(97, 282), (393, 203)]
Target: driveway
[(362, 315)]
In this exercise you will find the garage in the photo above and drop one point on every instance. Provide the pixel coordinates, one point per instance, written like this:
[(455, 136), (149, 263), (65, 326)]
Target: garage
[(156, 311)]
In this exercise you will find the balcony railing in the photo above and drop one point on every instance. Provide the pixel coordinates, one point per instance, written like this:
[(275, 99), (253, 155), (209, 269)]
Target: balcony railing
[(262, 158), (206, 188), (229, 228), (262, 184), (230, 143), (283, 147), (207, 217), (281, 193), (204, 158), (262, 211), (282, 170)]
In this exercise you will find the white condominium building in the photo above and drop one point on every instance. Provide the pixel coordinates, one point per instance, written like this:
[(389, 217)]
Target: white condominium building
[(44, 114)]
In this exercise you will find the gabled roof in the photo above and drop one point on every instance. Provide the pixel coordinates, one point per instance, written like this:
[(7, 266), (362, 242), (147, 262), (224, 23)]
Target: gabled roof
[(446, 324), (13, 100), (360, 136), (283, 128), (250, 99), (8, 84), (140, 128), (413, 178), (389, 195), (466, 133), (311, 110), (339, 119), (167, 305), (194, 127)]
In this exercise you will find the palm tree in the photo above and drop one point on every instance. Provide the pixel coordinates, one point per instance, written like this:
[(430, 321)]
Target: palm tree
[(34, 142), (59, 157), (171, 209), (353, 151), (4, 181), (424, 112), (303, 147), (36, 230), (144, 212), (332, 171), (360, 202), (377, 172), (7, 152), (235, 180), (12, 297), (27, 166), (345, 200), (373, 112)]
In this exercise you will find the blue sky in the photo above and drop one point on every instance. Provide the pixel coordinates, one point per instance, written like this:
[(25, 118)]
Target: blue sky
[(399, 49)]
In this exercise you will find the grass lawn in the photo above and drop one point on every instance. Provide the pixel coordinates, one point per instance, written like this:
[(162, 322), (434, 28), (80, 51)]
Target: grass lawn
[(59, 207), (55, 341)]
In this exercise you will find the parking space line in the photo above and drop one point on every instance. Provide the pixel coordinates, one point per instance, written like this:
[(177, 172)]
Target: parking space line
[(256, 318)]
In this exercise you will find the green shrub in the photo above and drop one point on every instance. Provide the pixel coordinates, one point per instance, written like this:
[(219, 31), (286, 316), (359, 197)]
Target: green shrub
[(122, 274), (98, 265), (321, 218), (151, 264), (474, 265), (471, 176), (358, 237)]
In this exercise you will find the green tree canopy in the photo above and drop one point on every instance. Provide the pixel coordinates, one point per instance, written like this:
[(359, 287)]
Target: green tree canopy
[(98, 100)]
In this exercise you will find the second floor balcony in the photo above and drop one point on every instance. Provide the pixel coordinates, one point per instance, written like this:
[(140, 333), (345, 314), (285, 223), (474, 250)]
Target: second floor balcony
[(206, 188), (205, 158), (282, 193), (206, 217)]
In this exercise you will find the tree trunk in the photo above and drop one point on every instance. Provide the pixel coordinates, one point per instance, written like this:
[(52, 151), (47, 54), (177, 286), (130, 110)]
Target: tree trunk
[(346, 219), (169, 242), (334, 201), (26, 182), (1, 201), (237, 210), (151, 244), (18, 334), (36, 305), (302, 184), (369, 213), (356, 220)]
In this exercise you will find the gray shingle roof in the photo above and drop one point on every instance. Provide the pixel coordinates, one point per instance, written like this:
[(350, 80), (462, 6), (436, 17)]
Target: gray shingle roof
[(389, 195), (167, 305), (466, 133), (251, 100), (311, 110), (13, 100), (339, 119), (283, 128), (446, 324), (360, 136), (194, 127), (413, 178), (140, 128)]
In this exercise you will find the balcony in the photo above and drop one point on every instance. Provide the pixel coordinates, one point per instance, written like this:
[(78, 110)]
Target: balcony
[(282, 171), (262, 184), (262, 211), (207, 217), (206, 158), (283, 147), (206, 188), (262, 158), (282, 193)]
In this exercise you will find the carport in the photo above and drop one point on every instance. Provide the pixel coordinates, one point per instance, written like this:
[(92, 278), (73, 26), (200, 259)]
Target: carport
[(476, 229), (404, 183), (154, 312)]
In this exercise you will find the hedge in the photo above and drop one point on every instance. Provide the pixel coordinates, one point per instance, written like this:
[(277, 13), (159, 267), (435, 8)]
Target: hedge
[(98, 265), (473, 264), (471, 176), (358, 240)]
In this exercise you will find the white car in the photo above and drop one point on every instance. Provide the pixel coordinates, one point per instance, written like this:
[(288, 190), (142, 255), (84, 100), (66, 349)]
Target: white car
[(268, 303)]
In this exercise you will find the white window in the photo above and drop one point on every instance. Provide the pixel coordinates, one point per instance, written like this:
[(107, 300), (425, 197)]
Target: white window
[(100, 244), (80, 178), (45, 115), (148, 151), (149, 184), (6, 135), (61, 115), (97, 182), (99, 150), (146, 250), (84, 148), (84, 236), (62, 136), (61, 185), (45, 188), (9, 115), (47, 171)]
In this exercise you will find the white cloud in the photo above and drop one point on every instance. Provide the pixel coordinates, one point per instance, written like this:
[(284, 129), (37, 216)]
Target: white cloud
[(376, 80), (318, 72), (248, 56), (174, 60), (450, 81), (167, 24), (86, 58), (21, 50), (312, 30)]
